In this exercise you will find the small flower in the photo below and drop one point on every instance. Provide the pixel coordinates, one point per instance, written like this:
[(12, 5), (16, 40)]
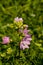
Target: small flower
[(27, 37), (5, 40), (18, 19), (9, 50), (25, 42), (25, 26), (25, 31), (3, 54), (18, 22), (24, 45)]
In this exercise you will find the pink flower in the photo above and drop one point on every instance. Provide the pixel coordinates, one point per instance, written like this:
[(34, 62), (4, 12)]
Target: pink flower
[(29, 39), (18, 19), (23, 45), (25, 42), (6, 40), (25, 31)]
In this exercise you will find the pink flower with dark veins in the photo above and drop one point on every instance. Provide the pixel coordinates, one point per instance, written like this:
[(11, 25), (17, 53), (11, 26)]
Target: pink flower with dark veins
[(23, 45), (25, 42)]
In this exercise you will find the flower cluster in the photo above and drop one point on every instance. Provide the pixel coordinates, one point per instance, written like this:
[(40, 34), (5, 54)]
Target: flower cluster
[(26, 40), (18, 22), (27, 37), (23, 29)]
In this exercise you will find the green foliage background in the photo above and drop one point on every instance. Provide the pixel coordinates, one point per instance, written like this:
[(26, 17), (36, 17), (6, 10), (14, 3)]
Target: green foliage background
[(32, 13)]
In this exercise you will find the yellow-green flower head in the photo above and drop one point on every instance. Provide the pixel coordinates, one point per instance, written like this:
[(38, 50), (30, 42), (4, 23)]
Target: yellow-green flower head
[(18, 22), (25, 26), (3, 54), (11, 26), (9, 50)]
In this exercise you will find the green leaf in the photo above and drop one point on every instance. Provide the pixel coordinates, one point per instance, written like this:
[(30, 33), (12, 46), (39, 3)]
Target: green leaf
[(37, 44), (1, 63)]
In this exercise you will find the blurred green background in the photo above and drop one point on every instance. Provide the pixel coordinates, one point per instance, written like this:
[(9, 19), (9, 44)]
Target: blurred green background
[(32, 13)]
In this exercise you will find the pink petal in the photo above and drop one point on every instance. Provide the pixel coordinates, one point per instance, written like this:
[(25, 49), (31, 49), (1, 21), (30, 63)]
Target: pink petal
[(20, 19), (16, 19), (26, 42), (26, 46), (29, 39)]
